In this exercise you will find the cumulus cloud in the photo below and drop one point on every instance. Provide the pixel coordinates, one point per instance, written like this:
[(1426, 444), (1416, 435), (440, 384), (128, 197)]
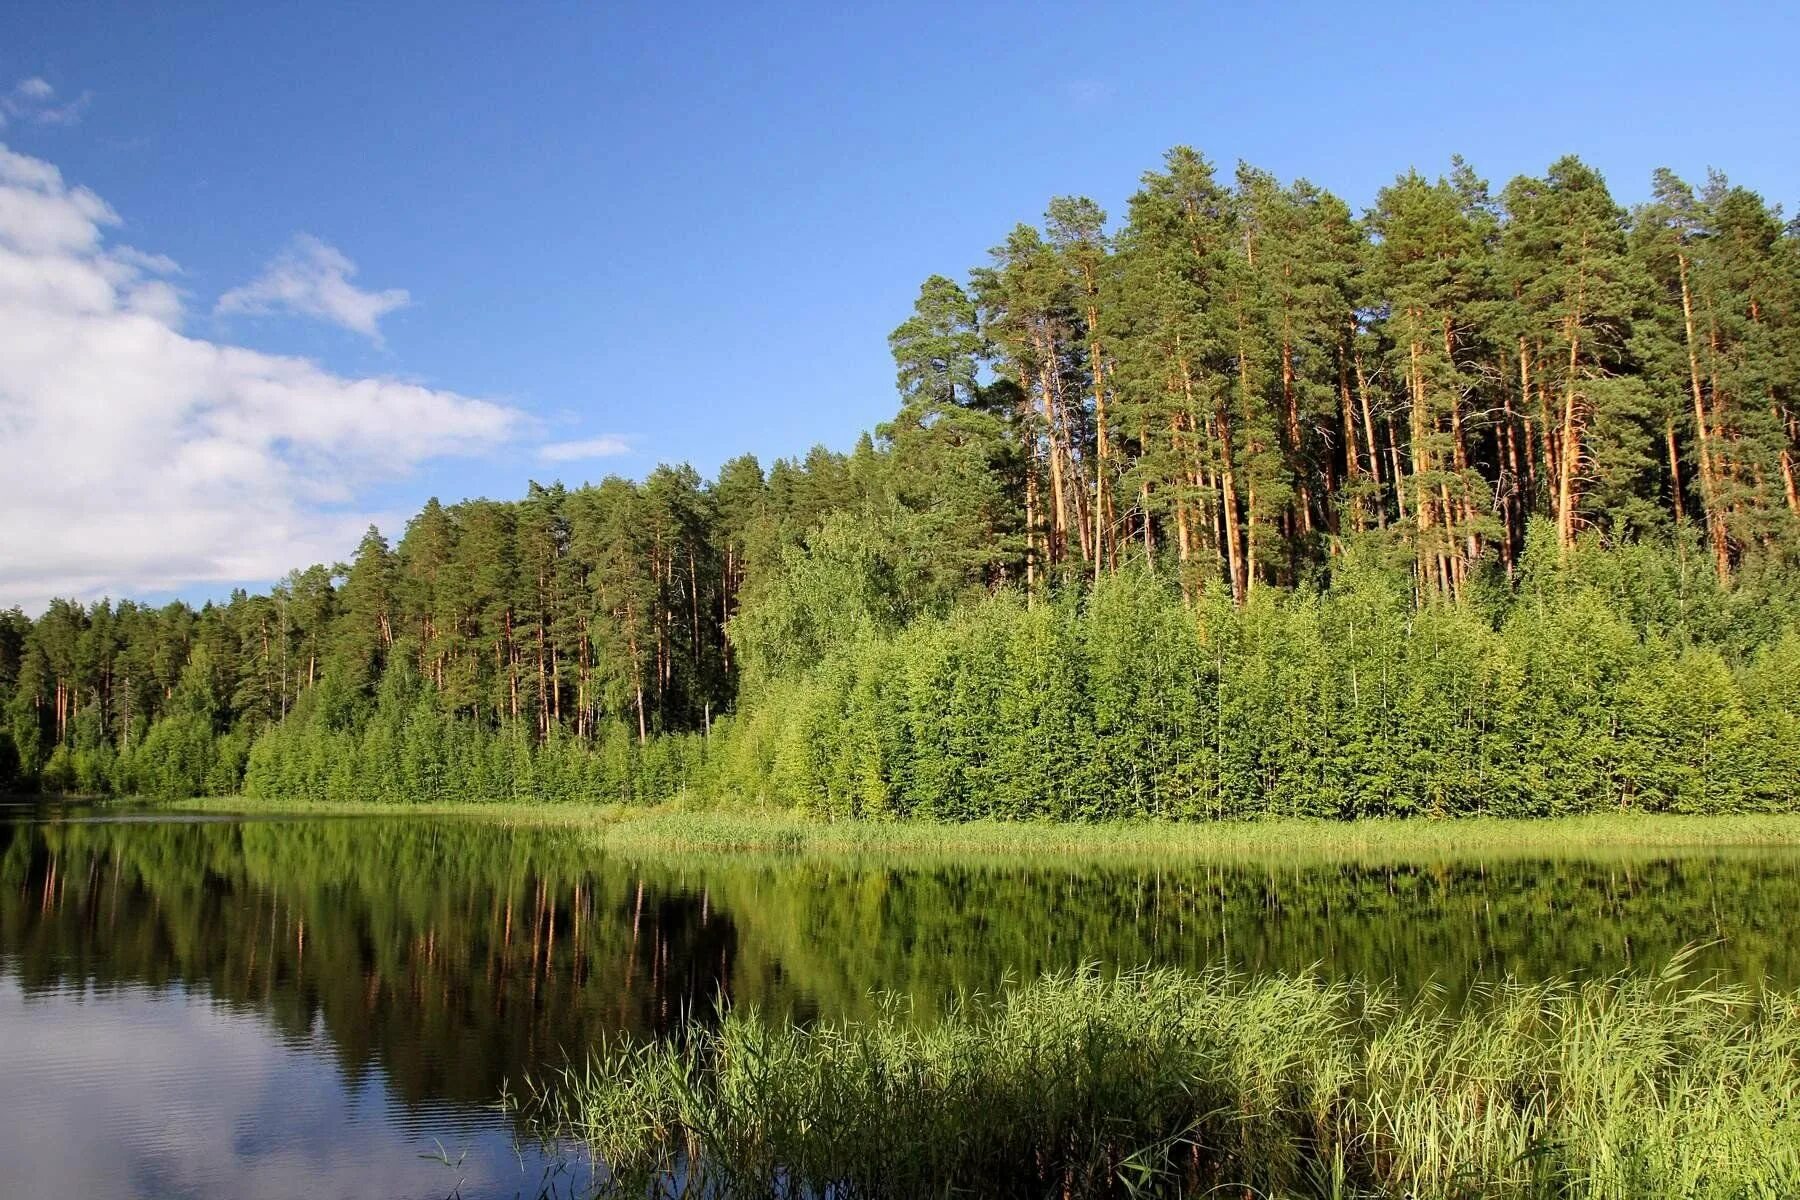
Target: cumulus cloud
[(312, 279), (138, 458), (606, 446), (34, 101)]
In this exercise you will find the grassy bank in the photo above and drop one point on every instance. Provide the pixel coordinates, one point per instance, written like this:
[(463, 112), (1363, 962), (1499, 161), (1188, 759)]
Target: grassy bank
[(676, 829), (1169, 1084)]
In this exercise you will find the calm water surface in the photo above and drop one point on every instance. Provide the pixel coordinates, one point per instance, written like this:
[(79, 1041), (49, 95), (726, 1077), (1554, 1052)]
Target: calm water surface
[(330, 1006)]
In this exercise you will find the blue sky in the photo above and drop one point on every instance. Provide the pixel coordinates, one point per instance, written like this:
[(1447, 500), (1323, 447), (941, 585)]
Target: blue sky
[(691, 227)]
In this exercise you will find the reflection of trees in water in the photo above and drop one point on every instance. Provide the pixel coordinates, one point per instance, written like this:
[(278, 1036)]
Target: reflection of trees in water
[(452, 956), (837, 930), (455, 954)]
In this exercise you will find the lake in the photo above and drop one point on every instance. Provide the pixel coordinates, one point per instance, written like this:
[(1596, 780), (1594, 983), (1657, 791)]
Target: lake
[(331, 1006)]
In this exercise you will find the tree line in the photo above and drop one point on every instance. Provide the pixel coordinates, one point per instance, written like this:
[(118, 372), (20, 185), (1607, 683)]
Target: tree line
[(570, 614), (1241, 376), (1242, 392)]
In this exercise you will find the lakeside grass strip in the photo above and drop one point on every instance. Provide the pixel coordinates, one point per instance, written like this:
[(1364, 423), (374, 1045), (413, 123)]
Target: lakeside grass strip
[(673, 829), (1163, 1083)]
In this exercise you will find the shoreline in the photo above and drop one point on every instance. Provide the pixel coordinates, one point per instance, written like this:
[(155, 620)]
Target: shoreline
[(671, 828)]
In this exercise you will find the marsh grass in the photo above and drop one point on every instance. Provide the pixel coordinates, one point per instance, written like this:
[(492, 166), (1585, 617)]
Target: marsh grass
[(739, 831), (690, 830), (1163, 1083)]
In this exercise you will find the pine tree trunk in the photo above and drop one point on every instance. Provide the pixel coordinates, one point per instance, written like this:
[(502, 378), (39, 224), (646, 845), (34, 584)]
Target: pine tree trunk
[(1348, 432), (1243, 370), (1525, 420), (1787, 479), (1511, 455), (543, 679), (1709, 481), (1080, 516), (1430, 566), (1250, 538), (1145, 529), (512, 668), (1031, 525), (1058, 506), (1369, 433), (1240, 583), (1399, 475), (1183, 535), (1291, 407), (1102, 492), (1570, 438), (1674, 469)]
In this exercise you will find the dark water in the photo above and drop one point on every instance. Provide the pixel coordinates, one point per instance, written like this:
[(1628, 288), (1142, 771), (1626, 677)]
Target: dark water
[(304, 1008)]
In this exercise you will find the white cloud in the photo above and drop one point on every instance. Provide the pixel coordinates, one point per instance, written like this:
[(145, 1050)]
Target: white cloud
[(312, 279), (34, 101), (606, 446), (138, 458)]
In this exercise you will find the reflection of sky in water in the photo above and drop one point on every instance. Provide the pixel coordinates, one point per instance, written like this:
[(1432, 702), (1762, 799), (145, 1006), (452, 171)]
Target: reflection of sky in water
[(133, 1093)]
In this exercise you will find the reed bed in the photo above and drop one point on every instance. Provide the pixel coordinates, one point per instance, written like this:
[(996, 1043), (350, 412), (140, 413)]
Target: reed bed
[(1380, 839), (682, 829), (1170, 1084)]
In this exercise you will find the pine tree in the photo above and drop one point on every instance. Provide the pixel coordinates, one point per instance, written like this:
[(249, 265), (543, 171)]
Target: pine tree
[(1431, 265), (1575, 293), (952, 462)]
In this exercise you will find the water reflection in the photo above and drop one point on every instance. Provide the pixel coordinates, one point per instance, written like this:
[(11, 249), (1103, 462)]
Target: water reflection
[(131, 1091), (224, 1007)]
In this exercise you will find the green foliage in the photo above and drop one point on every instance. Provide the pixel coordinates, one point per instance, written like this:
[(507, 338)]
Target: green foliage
[(176, 759), (1609, 680), (410, 750), (840, 585)]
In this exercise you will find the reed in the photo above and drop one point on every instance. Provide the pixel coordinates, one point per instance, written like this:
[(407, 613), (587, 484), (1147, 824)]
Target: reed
[(1163, 1083), (680, 829)]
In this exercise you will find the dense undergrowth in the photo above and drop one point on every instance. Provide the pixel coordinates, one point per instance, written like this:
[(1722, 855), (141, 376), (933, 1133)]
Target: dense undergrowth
[(1345, 703), (1626, 681), (1161, 1083)]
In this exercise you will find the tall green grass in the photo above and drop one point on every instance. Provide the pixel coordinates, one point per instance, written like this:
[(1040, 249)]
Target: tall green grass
[(674, 828), (1161, 1083)]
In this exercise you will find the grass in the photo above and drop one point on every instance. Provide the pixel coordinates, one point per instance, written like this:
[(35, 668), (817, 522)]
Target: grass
[(1160, 1083), (682, 830)]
